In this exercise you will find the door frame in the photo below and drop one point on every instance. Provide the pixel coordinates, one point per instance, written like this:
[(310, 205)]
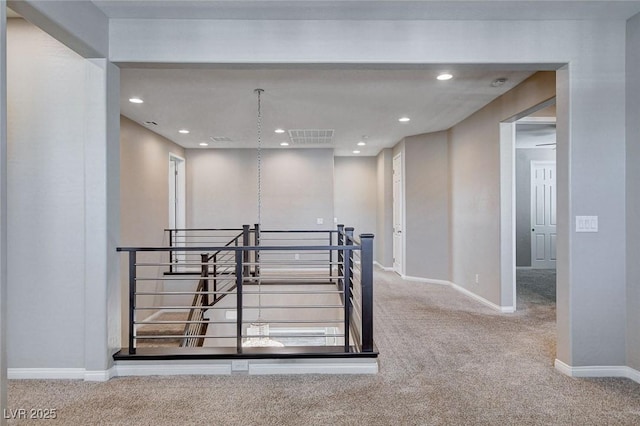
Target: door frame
[(402, 263), (507, 130), (177, 206)]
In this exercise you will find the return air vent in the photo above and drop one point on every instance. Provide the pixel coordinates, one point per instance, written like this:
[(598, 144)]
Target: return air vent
[(311, 136), (221, 139)]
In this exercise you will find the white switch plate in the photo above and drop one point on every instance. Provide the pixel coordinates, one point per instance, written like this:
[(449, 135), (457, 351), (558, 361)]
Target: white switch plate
[(231, 315), (320, 221), (586, 223)]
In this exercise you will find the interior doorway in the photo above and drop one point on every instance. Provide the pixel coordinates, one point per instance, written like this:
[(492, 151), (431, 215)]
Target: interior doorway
[(398, 215), (525, 138), (177, 207)]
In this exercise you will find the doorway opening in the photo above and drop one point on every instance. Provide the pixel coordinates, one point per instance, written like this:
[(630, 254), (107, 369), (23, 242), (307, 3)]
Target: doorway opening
[(398, 216), (528, 143), (177, 207)]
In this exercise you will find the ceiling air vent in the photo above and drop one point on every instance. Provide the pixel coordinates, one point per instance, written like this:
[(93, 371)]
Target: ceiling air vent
[(311, 137), (221, 139)]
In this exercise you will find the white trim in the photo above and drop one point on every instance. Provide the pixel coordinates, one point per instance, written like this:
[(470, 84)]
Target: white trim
[(384, 268), (60, 374), (99, 375), (598, 371), (425, 280), (45, 373), (138, 368), (503, 309), (265, 367), (537, 120), (253, 367)]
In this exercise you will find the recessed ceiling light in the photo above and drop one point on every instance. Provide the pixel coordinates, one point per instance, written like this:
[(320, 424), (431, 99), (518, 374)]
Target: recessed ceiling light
[(404, 119), (356, 152), (444, 76), (361, 143), (284, 143), (136, 100), (204, 144), (279, 130), (183, 131)]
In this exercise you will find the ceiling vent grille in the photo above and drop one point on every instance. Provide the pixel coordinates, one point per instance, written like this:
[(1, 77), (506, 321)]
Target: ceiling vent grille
[(311, 136), (221, 139)]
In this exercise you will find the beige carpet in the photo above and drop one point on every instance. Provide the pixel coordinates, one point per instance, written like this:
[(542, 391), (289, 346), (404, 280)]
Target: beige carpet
[(445, 360)]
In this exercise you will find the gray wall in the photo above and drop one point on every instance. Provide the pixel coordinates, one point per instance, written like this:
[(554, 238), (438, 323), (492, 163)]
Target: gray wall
[(523, 200), (633, 192), (384, 201), (144, 192), (62, 186), (297, 188), (355, 192), (475, 187), (46, 195), (426, 168)]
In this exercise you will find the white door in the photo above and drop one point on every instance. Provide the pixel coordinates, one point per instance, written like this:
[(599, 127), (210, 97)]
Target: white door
[(543, 214), (398, 219)]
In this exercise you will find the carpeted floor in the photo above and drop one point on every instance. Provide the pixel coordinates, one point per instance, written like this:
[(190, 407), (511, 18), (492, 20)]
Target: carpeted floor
[(445, 360)]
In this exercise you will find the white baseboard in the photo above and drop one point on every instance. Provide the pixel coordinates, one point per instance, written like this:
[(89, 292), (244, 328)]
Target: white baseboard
[(137, 368), (384, 268), (503, 309), (364, 366), (598, 371), (252, 367), (60, 374), (45, 373), (424, 280)]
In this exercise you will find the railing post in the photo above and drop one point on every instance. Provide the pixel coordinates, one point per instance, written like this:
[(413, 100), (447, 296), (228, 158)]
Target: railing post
[(239, 268), (215, 277), (204, 272), (330, 257), (171, 252), (132, 300), (340, 254), (349, 241), (245, 243), (366, 283), (256, 256), (346, 288)]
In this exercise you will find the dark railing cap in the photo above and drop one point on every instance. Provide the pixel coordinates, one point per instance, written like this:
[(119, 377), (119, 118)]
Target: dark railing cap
[(366, 236)]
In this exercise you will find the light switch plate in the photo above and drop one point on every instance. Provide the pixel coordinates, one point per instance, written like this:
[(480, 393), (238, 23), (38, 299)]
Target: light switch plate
[(320, 221), (586, 223)]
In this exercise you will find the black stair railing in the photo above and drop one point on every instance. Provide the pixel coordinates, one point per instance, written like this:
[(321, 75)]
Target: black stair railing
[(236, 268)]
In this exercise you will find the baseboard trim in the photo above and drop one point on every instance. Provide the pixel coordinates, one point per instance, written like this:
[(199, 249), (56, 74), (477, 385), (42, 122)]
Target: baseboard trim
[(60, 374), (99, 375), (424, 280), (368, 366), (384, 268), (168, 369), (503, 309), (598, 371), (45, 373)]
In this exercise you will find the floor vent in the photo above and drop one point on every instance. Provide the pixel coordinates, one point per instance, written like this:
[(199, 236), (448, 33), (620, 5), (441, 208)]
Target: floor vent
[(311, 136)]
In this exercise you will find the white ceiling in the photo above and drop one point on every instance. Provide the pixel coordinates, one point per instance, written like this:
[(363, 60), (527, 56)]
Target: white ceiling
[(535, 135), (220, 102), (359, 104)]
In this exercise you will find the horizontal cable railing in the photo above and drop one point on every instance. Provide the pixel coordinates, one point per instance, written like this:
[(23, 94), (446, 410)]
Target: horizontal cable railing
[(306, 287)]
